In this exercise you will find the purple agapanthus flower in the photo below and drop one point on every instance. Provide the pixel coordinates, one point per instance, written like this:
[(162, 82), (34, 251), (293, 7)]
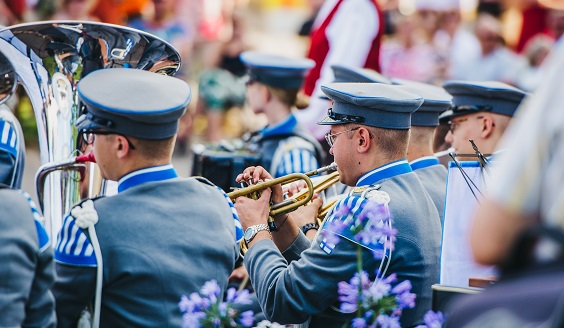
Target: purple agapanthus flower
[(247, 318), (406, 300), (358, 323), (238, 297), (211, 290), (332, 231), (385, 321), (434, 319)]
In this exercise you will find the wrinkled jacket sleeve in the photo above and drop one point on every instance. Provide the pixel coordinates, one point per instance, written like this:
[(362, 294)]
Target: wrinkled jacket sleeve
[(291, 293)]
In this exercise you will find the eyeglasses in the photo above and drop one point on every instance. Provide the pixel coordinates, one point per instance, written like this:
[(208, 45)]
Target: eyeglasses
[(330, 138), (455, 124), (89, 137)]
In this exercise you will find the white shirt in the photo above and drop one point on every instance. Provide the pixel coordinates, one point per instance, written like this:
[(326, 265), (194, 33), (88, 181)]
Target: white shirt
[(350, 34)]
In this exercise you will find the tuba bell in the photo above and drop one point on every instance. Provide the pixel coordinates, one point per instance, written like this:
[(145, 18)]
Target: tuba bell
[(49, 59)]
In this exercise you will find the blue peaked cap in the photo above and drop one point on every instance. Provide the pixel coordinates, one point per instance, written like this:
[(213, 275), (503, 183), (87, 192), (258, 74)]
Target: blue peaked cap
[(372, 104), (132, 102), (276, 71), (435, 101), (344, 73), (485, 96)]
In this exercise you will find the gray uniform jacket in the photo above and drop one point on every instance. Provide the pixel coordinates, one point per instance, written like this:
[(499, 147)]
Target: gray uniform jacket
[(26, 271), (434, 179), (302, 282), (159, 240)]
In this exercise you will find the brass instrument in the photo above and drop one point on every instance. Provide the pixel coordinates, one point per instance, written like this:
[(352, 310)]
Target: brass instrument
[(49, 59), (290, 204), (293, 203)]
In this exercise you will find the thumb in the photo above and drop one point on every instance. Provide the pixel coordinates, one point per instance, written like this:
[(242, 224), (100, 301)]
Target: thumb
[(266, 194)]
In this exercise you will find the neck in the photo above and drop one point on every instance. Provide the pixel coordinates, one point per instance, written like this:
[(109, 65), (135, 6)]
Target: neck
[(276, 112), (138, 164), (373, 161), (415, 151)]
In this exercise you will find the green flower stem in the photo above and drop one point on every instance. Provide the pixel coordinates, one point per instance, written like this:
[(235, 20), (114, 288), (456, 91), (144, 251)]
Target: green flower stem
[(359, 309)]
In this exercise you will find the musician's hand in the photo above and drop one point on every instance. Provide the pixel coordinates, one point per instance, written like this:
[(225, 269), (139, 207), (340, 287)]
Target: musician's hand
[(238, 274), (295, 187), (258, 173), (252, 212), (307, 214)]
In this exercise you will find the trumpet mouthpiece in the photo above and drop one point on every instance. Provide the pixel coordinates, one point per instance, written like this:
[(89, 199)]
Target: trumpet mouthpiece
[(86, 158)]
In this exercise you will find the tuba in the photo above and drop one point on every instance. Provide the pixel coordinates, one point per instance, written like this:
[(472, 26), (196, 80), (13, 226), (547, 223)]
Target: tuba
[(49, 59)]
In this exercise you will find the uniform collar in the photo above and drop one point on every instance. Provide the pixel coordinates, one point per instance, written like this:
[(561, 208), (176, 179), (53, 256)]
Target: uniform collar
[(149, 174), (284, 127), (383, 172), (424, 162)]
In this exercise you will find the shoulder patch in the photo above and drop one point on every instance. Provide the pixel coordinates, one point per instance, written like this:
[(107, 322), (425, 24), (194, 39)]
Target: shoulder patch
[(73, 246), (42, 236), (203, 180), (379, 196)]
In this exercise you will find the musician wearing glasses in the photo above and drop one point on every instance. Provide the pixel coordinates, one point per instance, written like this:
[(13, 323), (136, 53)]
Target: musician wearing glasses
[(424, 122), (272, 89), (160, 236), (296, 279), (481, 112)]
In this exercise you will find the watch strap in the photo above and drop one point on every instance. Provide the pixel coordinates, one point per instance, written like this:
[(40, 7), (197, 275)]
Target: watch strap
[(308, 226)]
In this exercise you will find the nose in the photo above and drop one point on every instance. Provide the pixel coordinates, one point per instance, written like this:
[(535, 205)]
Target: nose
[(331, 151), (448, 137)]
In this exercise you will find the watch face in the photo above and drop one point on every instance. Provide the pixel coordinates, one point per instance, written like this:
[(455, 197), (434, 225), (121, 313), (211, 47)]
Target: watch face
[(248, 233)]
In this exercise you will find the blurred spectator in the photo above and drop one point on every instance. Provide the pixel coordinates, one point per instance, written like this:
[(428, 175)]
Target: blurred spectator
[(77, 10), (7, 15), (406, 55), (455, 45), (346, 33), (556, 23), (536, 51), (306, 27), (496, 62), (165, 23), (534, 21), (221, 87), (119, 11)]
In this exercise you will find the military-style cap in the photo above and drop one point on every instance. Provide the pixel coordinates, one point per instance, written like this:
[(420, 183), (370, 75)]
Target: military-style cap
[(276, 71), (435, 101), (372, 104), (485, 96), (355, 74), (132, 102)]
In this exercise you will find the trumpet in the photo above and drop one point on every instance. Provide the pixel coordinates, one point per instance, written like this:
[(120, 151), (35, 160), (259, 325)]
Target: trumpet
[(290, 204)]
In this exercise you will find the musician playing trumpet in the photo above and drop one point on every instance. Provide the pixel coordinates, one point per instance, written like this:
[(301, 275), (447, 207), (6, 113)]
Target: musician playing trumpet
[(161, 236), (296, 279)]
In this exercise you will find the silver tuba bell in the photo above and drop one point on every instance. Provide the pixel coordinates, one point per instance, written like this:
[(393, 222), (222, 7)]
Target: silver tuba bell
[(49, 59)]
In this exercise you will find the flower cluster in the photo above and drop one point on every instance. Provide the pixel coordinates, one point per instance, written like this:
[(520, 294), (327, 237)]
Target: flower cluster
[(208, 309), (377, 302)]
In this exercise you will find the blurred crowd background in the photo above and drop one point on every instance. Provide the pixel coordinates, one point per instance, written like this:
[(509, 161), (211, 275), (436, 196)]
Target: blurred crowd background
[(425, 40)]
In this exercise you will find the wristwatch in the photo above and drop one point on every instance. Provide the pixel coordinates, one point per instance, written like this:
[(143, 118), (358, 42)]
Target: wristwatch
[(252, 231), (308, 226)]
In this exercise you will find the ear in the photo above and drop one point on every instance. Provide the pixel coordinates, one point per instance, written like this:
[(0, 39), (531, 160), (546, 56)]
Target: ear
[(364, 141), (487, 127), (122, 146)]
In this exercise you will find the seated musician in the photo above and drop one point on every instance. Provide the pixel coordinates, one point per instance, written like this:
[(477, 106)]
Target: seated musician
[(296, 279), (272, 89), (420, 148), (160, 236), (26, 273), (481, 112)]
